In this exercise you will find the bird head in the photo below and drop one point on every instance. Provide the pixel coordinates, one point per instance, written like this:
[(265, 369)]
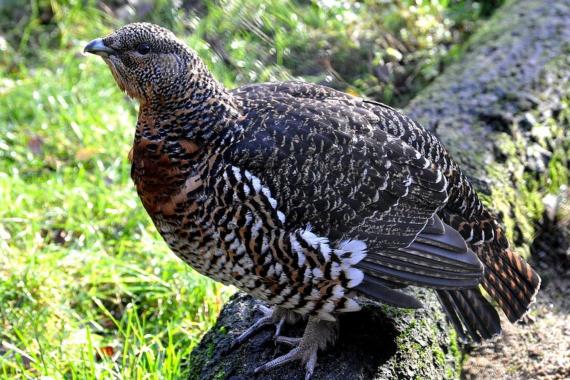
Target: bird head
[(147, 61)]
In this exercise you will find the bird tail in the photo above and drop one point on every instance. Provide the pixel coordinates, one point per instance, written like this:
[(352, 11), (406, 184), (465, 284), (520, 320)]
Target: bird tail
[(507, 278)]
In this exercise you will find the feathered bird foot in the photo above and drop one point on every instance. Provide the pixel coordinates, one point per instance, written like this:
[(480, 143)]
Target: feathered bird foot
[(276, 316), (317, 336)]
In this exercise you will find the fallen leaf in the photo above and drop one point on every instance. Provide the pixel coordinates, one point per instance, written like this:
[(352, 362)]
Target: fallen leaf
[(85, 154), (107, 351), (35, 145)]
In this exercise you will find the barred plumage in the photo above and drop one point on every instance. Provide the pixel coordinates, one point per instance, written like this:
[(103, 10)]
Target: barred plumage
[(306, 197)]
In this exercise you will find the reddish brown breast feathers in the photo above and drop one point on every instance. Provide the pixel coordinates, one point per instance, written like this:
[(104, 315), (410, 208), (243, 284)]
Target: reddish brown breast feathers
[(160, 182)]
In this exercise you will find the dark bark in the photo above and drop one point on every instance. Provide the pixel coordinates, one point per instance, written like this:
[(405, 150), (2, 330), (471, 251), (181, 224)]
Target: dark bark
[(485, 107)]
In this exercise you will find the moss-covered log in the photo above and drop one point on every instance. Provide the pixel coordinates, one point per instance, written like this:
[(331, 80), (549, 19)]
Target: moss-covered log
[(496, 109)]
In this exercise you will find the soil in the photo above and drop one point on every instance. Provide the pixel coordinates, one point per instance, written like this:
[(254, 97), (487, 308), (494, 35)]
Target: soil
[(539, 346)]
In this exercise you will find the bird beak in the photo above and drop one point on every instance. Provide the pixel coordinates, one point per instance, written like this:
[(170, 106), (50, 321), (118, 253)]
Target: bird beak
[(97, 47)]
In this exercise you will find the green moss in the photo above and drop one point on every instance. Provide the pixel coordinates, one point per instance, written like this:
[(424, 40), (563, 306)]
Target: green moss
[(194, 368), (396, 312), (210, 350), (517, 192), (404, 335), (439, 355), (199, 358), (455, 351), (220, 374)]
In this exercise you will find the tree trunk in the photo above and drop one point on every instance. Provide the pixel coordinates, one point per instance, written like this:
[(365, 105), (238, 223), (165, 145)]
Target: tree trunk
[(495, 109)]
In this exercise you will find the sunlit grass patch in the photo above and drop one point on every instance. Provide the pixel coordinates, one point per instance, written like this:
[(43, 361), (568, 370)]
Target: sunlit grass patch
[(87, 287)]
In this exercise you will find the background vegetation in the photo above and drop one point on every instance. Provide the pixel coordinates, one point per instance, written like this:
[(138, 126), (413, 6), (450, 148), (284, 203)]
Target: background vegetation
[(87, 287)]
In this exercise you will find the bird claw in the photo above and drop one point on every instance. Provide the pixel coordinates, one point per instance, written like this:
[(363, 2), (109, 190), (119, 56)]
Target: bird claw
[(318, 334), (305, 353), (265, 320), (268, 318), (288, 340), (279, 325)]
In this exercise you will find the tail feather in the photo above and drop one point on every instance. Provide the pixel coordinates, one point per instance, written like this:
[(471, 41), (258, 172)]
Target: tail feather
[(513, 280), (507, 291), (470, 313), (377, 289), (521, 266), (439, 259), (508, 279), (513, 290)]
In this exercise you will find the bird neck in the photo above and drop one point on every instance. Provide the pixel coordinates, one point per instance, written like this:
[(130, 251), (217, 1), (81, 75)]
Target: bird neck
[(202, 111)]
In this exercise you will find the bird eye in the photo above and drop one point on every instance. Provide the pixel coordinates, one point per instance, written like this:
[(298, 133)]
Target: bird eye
[(143, 48)]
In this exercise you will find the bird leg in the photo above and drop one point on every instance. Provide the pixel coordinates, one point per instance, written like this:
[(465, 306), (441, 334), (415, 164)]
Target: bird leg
[(317, 336), (276, 316)]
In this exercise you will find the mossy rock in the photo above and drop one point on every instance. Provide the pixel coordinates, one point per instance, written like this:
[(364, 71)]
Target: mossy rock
[(379, 342)]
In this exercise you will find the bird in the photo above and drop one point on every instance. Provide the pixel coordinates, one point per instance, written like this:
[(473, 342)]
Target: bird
[(309, 199)]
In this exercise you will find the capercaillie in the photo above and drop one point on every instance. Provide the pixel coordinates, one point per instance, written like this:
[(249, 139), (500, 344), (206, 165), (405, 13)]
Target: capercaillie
[(308, 198)]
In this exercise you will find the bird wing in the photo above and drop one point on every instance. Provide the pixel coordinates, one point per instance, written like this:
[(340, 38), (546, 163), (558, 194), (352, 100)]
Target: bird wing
[(330, 166)]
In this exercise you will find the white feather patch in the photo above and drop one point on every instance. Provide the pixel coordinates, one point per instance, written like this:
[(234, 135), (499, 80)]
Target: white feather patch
[(256, 183), (229, 237), (295, 245), (281, 216), (335, 270), (317, 273), (338, 291), (278, 269), (270, 271), (283, 278), (350, 305), (235, 244), (439, 176), (237, 174), (313, 240), (301, 259), (357, 248), (355, 275), (309, 306), (326, 316), (248, 218), (292, 301), (315, 294), (264, 245), (470, 236), (267, 193), (317, 242), (307, 275), (256, 227), (277, 299)]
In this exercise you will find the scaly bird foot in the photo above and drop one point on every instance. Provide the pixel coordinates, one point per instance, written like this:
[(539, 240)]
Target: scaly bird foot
[(276, 316), (317, 336)]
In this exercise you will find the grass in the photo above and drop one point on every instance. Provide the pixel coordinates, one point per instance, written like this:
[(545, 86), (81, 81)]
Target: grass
[(87, 287)]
